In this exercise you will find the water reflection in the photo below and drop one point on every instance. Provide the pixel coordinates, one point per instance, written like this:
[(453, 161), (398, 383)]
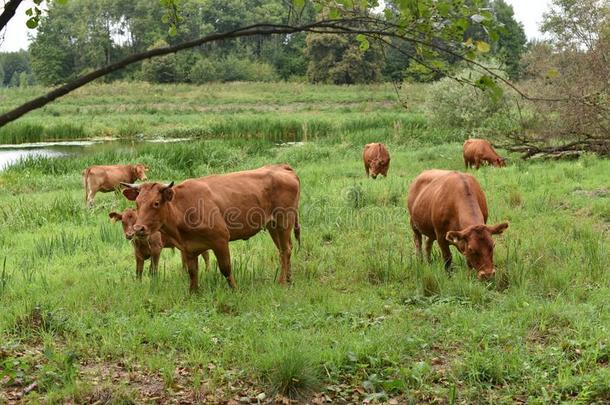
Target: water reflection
[(11, 156)]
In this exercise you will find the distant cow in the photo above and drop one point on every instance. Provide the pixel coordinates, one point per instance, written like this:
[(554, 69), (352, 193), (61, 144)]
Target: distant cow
[(209, 212), (450, 207), (376, 159), (109, 178), (477, 151), (147, 248)]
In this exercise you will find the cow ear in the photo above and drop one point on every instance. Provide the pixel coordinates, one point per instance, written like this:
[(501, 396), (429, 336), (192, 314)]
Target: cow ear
[(498, 229), (131, 193), (454, 237), (458, 239), (115, 216), (168, 192)]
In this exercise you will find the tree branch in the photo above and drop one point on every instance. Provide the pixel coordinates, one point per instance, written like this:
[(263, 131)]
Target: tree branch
[(10, 8), (369, 26)]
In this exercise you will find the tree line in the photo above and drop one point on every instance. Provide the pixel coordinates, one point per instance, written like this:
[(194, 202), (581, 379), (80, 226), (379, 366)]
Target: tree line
[(83, 35)]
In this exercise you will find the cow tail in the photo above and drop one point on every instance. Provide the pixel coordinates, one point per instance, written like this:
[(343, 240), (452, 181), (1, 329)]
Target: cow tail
[(297, 229)]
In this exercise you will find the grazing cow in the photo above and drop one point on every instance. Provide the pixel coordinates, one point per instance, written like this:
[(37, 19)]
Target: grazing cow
[(477, 151), (209, 212), (376, 159), (147, 248), (108, 178), (450, 207)]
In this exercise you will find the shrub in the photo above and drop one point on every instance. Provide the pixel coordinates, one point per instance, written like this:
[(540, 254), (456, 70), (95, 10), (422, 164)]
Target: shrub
[(454, 105), (204, 71), (161, 69)]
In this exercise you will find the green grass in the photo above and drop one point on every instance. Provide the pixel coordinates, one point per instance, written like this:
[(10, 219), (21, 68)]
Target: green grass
[(363, 319), (277, 112)]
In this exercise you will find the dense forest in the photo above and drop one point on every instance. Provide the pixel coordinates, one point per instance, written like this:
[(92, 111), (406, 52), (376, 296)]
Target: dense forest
[(82, 35)]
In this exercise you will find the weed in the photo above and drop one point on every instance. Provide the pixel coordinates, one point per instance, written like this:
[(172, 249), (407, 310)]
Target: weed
[(291, 373)]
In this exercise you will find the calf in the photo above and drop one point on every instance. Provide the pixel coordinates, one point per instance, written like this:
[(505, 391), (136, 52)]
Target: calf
[(147, 248), (209, 212), (477, 151), (450, 207), (108, 178), (376, 159)]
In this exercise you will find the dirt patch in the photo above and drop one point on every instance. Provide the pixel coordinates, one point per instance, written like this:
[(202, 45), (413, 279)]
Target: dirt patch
[(597, 193)]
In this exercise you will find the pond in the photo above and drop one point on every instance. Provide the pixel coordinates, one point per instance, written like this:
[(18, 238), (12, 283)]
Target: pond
[(11, 154)]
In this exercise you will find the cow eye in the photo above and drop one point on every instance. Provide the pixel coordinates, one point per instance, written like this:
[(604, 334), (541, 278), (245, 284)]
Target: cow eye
[(156, 204)]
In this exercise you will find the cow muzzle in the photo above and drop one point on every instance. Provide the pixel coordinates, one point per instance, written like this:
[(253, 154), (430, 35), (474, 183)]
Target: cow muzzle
[(129, 235), (141, 230), (486, 274)]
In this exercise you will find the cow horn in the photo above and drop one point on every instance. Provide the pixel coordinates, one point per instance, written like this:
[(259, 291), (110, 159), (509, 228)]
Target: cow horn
[(170, 185), (130, 185)]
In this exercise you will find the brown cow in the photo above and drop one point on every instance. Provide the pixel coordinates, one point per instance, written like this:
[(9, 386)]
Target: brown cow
[(147, 248), (109, 178), (209, 212), (477, 151), (376, 159), (450, 207)]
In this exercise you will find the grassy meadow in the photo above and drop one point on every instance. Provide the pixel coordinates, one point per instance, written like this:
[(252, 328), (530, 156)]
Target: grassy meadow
[(363, 320)]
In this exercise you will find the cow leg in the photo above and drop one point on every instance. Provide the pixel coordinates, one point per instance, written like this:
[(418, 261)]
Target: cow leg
[(154, 264), (90, 198), (139, 267), (429, 243), (223, 256), (466, 163), (417, 240), (185, 266), (193, 269), (442, 243), (206, 259), (283, 242), (477, 164), (366, 169)]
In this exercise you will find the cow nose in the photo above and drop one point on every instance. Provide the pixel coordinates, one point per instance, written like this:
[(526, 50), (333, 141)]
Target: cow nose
[(486, 274), (140, 229), (129, 235)]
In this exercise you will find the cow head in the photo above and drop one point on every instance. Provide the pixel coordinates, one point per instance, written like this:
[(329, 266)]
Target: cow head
[(378, 166), (139, 172), (128, 219), (151, 201), (477, 245), (499, 162)]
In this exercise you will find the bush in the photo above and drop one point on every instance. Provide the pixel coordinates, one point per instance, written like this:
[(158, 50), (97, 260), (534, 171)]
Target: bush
[(161, 69), (204, 71), (451, 104)]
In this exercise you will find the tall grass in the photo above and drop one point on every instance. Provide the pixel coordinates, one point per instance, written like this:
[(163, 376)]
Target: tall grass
[(21, 132), (363, 320)]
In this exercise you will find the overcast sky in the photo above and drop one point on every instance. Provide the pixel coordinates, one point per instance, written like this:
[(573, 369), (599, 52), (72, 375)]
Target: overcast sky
[(529, 12)]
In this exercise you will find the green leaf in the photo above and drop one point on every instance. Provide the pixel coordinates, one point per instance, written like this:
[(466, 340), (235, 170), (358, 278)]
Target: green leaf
[(364, 42), (172, 31), (298, 3), (483, 46), (32, 23), (489, 85), (29, 12)]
